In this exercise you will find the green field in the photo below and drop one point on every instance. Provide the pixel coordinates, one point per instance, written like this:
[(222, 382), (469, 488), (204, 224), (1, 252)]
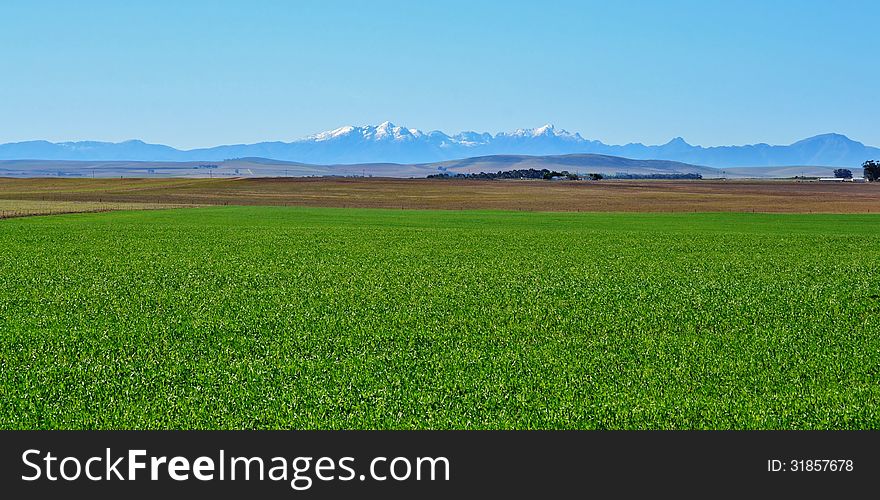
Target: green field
[(341, 319)]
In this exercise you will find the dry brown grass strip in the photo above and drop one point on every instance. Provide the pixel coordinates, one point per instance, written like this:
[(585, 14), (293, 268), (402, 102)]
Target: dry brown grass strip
[(26, 208)]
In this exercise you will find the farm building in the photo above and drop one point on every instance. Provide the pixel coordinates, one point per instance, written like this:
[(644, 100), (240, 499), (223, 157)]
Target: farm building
[(841, 179)]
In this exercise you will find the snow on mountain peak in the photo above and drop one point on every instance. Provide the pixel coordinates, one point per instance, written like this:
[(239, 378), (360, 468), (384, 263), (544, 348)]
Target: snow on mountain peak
[(547, 129), (389, 132), (383, 131), (385, 127), (332, 134)]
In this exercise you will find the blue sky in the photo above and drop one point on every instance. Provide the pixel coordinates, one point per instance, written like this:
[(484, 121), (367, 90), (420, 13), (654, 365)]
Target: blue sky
[(202, 73)]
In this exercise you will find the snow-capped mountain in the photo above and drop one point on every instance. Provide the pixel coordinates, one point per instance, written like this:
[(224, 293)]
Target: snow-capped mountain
[(390, 143), (385, 131)]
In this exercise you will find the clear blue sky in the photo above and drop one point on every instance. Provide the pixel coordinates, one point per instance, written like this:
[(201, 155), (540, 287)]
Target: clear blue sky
[(202, 73)]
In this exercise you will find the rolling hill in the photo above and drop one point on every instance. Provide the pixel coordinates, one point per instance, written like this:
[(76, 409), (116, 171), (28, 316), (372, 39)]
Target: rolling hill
[(262, 167)]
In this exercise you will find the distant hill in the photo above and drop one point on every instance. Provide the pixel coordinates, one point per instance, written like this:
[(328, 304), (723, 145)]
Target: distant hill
[(242, 167), (389, 143), (264, 167), (583, 163)]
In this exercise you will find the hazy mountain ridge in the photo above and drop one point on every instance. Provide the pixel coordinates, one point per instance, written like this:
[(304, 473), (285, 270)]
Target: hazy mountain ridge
[(389, 143), (264, 167)]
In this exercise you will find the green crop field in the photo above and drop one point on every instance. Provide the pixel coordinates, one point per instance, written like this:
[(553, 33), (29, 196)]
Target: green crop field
[(260, 317)]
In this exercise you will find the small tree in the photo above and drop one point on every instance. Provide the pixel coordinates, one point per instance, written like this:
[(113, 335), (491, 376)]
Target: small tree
[(872, 170), (595, 177), (843, 173)]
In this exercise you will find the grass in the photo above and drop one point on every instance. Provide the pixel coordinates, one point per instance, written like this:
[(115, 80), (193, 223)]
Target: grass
[(256, 317)]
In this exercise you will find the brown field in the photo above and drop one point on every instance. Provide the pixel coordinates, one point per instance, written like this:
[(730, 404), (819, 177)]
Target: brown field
[(616, 196)]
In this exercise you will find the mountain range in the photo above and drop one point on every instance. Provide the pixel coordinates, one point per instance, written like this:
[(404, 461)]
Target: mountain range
[(389, 143)]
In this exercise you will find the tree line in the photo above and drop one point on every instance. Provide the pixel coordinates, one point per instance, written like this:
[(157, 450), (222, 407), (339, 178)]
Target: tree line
[(546, 174), (530, 173)]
